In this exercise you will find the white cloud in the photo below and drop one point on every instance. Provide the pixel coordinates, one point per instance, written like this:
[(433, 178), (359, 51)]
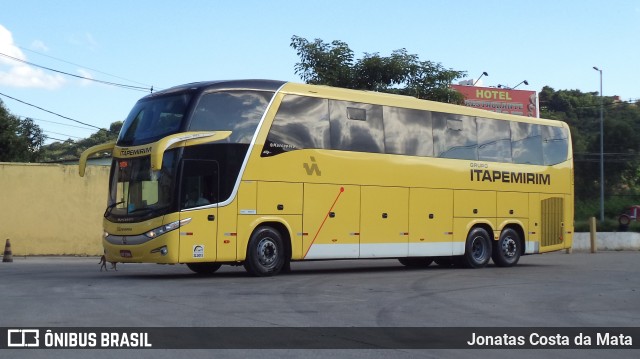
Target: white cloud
[(87, 74), (17, 74), (39, 46), (86, 40)]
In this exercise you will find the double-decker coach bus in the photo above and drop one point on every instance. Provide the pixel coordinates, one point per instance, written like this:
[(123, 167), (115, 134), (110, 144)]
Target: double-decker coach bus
[(261, 173)]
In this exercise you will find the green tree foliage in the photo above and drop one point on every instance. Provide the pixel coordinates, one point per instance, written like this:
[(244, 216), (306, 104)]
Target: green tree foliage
[(621, 143), (70, 150), (333, 64), (20, 139)]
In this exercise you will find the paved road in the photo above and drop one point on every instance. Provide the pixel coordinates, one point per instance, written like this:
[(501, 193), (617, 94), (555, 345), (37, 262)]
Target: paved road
[(550, 290)]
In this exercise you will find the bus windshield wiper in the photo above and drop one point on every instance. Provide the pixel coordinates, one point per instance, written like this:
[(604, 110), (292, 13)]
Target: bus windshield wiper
[(110, 207)]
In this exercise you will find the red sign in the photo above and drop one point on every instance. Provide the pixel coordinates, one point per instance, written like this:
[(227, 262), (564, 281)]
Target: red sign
[(515, 102)]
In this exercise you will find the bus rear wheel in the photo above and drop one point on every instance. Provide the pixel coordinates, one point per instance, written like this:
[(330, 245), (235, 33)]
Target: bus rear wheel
[(477, 248), (506, 251), (265, 252), (416, 262), (204, 268)]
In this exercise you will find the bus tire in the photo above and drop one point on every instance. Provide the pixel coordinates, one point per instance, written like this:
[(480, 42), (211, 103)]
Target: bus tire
[(416, 262), (207, 268), (507, 250), (477, 248), (265, 252)]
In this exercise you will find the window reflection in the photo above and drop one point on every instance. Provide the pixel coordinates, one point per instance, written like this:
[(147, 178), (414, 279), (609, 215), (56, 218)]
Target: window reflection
[(555, 145), (356, 134), (301, 122), (236, 111), (306, 122), (494, 140), (407, 132), (454, 136), (526, 143)]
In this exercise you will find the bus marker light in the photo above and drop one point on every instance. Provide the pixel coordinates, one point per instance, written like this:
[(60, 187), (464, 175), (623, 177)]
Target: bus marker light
[(226, 241)]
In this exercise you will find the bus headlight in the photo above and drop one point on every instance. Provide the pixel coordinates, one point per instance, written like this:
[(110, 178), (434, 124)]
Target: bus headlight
[(156, 232)]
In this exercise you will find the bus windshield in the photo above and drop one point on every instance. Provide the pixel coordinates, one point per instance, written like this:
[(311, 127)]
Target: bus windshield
[(137, 191), (154, 118)]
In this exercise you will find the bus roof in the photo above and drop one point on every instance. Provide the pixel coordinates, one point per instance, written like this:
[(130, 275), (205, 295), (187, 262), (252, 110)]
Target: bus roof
[(265, 85)]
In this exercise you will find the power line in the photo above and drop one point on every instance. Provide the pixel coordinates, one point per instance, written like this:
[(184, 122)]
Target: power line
[(88, 68), (130, 87), (51, 112), (54, 122), (63, 134), (53, 138)]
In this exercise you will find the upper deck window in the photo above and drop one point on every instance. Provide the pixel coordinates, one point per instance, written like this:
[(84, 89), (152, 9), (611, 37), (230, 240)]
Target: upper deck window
[(154, 118), (235, 111)]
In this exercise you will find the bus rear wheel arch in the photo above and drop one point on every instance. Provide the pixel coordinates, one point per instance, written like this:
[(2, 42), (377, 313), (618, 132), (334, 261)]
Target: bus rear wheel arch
[(508, 248), (266, 253)]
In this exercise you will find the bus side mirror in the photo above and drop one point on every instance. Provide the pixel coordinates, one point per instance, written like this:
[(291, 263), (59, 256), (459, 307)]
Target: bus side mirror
[(82, 165)]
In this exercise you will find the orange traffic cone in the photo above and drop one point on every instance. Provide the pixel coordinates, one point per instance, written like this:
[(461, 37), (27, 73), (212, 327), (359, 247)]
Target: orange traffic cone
[(7, 257)]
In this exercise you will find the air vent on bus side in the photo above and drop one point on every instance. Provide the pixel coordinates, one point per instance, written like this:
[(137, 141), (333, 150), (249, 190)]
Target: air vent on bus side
[(551, 223)]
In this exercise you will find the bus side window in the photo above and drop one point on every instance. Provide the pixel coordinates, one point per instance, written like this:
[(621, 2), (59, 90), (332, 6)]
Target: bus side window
[(408, 132), (494, 140), (526, 143), (199, 183), (454, 136), (555, 145), (356, 126), (301, 122)]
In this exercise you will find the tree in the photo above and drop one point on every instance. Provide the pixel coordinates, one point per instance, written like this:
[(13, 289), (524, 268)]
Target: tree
[(70, 150), (402, 73), (621, 143), (20, 139)]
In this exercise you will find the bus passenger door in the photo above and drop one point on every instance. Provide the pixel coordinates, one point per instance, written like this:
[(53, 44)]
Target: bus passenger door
[(198, 192), (384, 229)]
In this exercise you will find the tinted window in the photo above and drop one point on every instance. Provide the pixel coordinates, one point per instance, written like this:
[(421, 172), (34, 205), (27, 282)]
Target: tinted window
[(494, 140), (454, 136), (199, 183), (356, 127), (236, 111), (153, 118), (555, 145), (301, 122), (407, 132), (526, 143)]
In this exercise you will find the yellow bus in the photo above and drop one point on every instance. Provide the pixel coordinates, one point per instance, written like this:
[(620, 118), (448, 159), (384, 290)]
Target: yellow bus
[(261, 173)]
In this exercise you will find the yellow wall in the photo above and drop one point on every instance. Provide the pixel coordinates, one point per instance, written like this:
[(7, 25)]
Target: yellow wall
[(50, 210)]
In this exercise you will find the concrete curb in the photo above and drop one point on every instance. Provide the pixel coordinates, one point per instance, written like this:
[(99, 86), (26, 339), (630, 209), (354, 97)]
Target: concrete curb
[(607, 241)]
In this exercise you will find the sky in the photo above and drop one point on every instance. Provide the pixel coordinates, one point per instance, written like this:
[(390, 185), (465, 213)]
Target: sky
[(148, 43)]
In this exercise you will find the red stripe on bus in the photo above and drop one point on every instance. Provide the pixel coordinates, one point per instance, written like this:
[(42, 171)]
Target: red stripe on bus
[(323, 221)]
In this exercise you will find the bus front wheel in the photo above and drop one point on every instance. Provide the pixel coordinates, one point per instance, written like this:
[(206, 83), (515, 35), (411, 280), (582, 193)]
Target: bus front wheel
[(265, 252), (506, 251), (477, 248)]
